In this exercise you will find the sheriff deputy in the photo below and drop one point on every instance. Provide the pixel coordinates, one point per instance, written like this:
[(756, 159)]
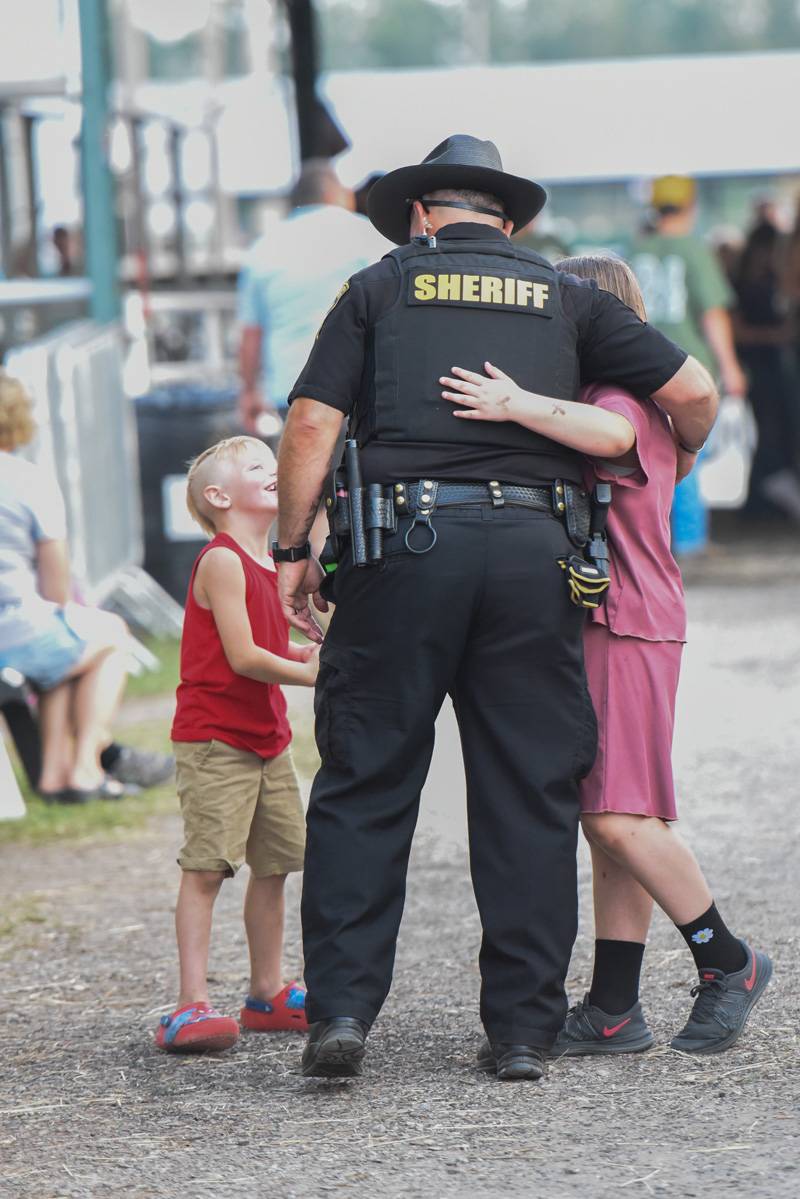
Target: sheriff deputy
[(467, 599)]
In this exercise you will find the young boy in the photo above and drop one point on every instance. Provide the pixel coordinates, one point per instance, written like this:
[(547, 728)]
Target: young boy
[(235, 778)]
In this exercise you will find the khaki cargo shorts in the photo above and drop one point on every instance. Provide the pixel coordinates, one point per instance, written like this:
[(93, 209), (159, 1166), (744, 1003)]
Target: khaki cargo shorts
[(238, 808)]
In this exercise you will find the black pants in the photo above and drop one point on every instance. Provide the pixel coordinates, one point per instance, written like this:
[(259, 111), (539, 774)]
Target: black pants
[(485, 616), (772, 402)]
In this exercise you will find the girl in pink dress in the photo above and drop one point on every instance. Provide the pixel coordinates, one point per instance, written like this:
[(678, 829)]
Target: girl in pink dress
[(633, 648)]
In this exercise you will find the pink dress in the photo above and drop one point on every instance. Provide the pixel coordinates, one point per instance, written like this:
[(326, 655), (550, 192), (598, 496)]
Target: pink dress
[(633, 645)]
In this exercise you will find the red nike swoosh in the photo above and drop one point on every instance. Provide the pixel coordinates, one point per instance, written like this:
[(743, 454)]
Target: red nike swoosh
[(751, 981), (609, 1032)]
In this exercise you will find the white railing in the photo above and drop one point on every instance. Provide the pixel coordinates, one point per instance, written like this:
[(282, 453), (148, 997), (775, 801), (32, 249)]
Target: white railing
[(87, 436), (205, 323)]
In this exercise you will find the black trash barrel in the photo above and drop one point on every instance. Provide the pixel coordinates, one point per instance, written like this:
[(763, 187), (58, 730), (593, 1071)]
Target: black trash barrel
[(175, 424)]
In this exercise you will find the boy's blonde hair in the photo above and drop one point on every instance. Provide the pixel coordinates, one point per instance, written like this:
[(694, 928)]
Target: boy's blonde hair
[(610, 273), (17, 425), (201, 475)]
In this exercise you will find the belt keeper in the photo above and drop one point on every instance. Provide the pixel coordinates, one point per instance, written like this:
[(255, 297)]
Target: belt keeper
[(496, 494), (427, 491), (400, 499), (559, 497)]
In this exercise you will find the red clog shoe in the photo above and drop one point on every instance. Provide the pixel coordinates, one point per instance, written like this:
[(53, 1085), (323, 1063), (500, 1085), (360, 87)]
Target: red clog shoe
[(196, 1028), (285, 1012)]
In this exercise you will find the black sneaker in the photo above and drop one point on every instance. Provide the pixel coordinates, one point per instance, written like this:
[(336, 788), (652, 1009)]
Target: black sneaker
[(335, 1048), (723, 1003), (512, 1063), (588, 1029)]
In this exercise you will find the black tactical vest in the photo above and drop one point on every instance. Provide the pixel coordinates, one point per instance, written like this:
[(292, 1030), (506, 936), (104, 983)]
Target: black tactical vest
[(461, 303)]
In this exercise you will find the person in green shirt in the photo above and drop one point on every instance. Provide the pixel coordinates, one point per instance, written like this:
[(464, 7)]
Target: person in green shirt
[(687, 297)]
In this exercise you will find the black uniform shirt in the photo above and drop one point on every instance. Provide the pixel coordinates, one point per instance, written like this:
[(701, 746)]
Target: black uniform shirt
[(612, 345)]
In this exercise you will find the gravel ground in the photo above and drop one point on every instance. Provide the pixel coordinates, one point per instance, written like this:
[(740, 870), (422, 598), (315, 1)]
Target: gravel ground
[(87, 965)]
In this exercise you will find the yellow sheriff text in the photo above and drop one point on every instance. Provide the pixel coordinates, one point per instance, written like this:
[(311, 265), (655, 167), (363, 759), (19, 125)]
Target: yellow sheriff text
[(482, 289)]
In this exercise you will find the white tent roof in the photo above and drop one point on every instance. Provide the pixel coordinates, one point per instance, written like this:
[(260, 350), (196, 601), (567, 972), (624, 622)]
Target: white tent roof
[(570, 121), (727, 114)]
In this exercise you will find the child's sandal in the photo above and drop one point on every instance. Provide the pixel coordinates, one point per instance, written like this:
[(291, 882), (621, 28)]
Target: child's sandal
[(285, 1012), (196, 1028)]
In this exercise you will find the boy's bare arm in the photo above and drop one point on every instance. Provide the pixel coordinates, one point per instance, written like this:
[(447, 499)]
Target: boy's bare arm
[(221, 583), (300, 653)]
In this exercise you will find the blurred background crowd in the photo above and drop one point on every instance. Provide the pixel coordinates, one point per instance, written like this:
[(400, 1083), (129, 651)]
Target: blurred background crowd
[(182, 192)]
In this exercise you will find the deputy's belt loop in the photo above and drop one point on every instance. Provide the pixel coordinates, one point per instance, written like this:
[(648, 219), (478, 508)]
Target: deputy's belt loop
[(559, 498), (496, 494)]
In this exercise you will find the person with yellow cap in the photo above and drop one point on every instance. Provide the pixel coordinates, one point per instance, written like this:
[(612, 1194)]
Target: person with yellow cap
[(688, 298)]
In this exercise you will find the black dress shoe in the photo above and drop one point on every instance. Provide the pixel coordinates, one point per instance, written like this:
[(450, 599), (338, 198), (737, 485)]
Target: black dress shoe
[(68, 795), (512, 1062), (335, 1048)]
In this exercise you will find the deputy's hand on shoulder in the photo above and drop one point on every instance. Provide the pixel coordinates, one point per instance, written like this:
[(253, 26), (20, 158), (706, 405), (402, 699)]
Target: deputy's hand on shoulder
[(492, 398)]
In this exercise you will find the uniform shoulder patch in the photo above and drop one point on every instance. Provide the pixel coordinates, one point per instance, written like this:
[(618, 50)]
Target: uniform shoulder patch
[(341, 292), (345, 287)]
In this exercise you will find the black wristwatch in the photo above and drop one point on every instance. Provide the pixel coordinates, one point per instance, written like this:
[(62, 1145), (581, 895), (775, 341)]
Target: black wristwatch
[(295, 553)]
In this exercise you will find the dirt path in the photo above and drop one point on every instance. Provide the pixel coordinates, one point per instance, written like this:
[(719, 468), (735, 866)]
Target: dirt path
[(88, 1108)]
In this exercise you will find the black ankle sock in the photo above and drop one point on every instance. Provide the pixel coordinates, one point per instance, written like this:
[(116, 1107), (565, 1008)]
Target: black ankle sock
[(615, 981), (712, 943)]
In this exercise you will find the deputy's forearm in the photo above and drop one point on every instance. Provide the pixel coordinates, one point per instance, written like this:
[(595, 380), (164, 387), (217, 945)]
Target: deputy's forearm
[(304, 459), (691, 399), (590, 430)]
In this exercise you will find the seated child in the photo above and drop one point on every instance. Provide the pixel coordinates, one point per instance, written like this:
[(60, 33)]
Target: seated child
[(235, 778), (74, 655)]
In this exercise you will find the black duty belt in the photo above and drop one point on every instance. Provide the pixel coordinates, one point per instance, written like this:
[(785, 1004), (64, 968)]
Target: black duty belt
[(453, 495), (383, 505), (365, 513)]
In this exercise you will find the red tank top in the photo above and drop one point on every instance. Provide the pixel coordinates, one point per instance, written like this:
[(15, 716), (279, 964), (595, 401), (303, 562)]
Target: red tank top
[(215, 703)]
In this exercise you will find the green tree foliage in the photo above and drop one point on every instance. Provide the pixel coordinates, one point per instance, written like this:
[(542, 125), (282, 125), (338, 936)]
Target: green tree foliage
[(404, 33), (365, 33)]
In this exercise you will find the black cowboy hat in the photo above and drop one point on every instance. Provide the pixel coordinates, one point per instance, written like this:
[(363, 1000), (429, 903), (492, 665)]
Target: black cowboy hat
[(459, 161)]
